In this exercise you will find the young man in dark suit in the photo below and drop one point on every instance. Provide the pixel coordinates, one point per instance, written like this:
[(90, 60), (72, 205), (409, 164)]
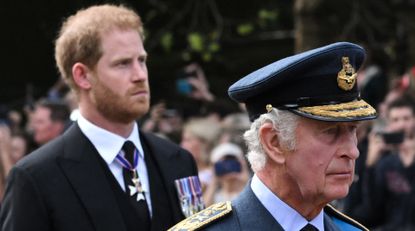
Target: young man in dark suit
[(102, 173)]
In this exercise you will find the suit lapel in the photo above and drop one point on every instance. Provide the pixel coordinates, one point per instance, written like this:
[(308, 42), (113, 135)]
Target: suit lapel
[(88, 180), (252, 215), (163, 157)]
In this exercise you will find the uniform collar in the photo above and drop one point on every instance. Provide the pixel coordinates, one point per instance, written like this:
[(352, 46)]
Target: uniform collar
[(285, 215)]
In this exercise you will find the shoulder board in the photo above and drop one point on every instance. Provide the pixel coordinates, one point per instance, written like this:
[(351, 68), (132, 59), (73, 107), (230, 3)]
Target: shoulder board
[(342, 218), (203, 217)]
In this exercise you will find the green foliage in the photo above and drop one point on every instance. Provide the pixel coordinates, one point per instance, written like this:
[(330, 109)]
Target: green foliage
[(166, 41), (195, 41), (197, 29), (214, 47), (245, 29), (203, 45), (186, 56), (206, 56), (266, 17)]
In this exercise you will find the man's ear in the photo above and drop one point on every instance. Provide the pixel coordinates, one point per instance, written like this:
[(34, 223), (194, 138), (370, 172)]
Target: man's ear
[(80, 73), (270, 143)]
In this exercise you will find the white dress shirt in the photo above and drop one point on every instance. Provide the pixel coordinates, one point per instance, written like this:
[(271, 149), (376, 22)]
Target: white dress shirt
[(287, 217), (109, 144)]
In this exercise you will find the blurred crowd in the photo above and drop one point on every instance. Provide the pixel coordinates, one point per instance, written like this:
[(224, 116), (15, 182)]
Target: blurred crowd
[(382, 196)]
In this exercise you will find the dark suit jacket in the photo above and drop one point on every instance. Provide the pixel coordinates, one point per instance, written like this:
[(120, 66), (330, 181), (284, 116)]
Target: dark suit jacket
[(61, 186), (249, 214)]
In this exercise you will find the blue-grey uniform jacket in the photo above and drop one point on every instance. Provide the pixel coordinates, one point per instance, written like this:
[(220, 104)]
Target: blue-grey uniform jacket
[(247, 213)]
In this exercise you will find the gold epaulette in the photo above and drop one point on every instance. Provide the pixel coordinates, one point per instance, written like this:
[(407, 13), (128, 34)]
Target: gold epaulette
[(203, 217), (329, 209)]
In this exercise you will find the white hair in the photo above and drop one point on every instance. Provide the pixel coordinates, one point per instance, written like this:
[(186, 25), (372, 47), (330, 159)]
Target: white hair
[(283, 122)]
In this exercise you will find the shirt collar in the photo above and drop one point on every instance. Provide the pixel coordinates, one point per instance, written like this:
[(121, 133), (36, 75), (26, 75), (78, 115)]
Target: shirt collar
[(108, 144), (286, 216)]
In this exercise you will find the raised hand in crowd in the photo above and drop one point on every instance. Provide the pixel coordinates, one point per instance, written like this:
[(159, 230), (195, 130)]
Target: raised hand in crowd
[(199, 83)]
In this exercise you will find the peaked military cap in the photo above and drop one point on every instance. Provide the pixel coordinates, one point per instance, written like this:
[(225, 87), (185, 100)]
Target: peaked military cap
[(319, 84)]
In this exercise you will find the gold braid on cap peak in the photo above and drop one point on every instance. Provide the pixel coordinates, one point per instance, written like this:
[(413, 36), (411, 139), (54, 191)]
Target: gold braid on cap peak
[(350, 109)]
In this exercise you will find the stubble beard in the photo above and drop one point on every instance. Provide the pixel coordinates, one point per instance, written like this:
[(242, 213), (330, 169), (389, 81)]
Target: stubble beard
[(118, 108)]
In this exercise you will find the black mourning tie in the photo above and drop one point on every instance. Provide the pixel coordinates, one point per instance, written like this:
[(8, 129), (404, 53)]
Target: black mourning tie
[(309, 227), (139, 205)]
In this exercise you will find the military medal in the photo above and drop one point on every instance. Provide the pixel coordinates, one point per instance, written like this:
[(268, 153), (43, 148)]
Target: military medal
[(137, 188), (189, 191)]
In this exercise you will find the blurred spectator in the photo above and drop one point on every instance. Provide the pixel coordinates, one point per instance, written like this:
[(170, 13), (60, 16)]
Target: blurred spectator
[(5, 161), (19, 147), (4, 115), (16, 121), (407, 82), (218, 109), (58, 90), (395, 93), (195, 84), (72, 102), (389, 188), (199, 136), (13, 146), (194, 94), (231, 173), (234, 125), (12, 149), (195, 98), (373, 84), (164, 122), (400, 117), (49, 120)]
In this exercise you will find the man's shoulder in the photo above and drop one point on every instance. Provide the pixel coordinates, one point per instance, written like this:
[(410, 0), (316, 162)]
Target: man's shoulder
[(343, 221), (219, 216)]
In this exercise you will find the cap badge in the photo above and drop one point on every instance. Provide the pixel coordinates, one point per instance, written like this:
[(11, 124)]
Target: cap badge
[(346, 78), (268, 107)]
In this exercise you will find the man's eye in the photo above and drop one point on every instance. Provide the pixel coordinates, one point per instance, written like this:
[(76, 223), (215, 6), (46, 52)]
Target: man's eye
[(123, 62), (332, 131), (142, 59)]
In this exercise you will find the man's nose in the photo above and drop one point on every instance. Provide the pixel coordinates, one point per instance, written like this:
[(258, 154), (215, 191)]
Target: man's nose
[(349, 147), (139, 72)]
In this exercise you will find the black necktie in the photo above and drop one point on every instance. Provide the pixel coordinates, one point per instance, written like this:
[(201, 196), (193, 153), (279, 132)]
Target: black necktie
[(140, 206), (309, 227)]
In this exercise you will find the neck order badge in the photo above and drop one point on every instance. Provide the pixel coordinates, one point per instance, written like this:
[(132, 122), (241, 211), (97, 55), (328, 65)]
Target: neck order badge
[(130, 161)]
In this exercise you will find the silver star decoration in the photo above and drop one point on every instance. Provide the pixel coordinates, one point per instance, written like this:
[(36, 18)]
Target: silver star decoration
[(134, 190)]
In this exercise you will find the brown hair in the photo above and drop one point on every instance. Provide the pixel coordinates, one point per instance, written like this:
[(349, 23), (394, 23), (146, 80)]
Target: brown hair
[(79, 39)]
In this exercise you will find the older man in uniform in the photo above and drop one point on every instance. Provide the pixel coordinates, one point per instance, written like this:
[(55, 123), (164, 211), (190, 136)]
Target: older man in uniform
[(302, 144)]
